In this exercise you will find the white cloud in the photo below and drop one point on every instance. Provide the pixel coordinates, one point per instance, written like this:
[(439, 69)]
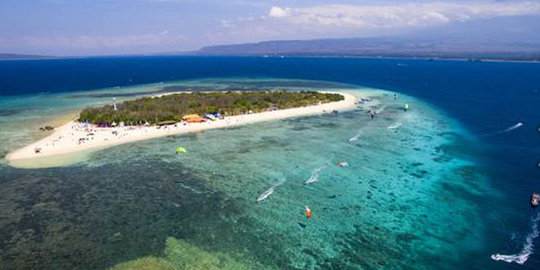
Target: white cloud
[(278, 12), (226, 23), (398, 15), (362, 20)]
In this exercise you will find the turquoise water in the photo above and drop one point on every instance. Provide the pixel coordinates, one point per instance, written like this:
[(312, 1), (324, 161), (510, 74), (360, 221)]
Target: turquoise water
[(412, 196)]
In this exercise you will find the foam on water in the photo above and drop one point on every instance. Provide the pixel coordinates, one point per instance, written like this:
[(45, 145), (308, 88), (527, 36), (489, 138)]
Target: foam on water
[(516, 126), (355, 137), (270, 191), (528, 246), (314, 176), (394, 125)]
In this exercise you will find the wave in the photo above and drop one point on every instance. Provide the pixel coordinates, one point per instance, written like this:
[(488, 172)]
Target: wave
[(314, 176), (270, 191), (528, 247), (394, 125)]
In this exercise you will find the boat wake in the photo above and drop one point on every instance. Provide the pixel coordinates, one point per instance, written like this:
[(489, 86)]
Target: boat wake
[(380, 110), (270, 191), (354, 138), (528, 247), (518, 125), (314, 176), (394, 125), (514, 127)]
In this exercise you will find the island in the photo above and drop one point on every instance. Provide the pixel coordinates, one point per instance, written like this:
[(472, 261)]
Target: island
[(177, 113), (173, 108)]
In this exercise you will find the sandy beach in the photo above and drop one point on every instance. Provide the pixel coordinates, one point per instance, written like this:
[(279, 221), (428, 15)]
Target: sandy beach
[(74, 137)]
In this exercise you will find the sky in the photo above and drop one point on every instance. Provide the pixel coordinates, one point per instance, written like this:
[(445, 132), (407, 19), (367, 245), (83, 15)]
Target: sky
[(109, 27)]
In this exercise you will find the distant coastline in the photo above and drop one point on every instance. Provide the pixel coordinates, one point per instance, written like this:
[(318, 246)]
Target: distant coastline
[(15, 56), (194, 54), (424, 58), (382, 47), (535, 60)]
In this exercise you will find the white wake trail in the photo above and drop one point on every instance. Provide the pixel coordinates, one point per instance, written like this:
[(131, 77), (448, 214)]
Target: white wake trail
[(354, 138), (265, 195), (357, 136), (518, 125), (270, 191), (528, 247), (394, 125), (314, 176)]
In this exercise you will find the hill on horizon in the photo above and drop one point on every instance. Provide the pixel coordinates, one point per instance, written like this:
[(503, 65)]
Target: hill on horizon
[(12, 56), (465, 40)]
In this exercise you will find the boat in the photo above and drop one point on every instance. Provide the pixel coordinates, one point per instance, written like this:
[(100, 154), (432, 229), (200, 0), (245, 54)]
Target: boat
[(535, 200)]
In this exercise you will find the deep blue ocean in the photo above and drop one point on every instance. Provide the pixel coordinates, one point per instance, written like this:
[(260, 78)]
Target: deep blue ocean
[(486, 98)]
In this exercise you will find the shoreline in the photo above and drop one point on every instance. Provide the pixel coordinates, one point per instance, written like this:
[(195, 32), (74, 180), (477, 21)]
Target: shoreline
[(72, 138)]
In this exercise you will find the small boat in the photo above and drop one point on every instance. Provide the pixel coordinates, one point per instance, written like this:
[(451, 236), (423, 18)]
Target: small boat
[(535, 200)]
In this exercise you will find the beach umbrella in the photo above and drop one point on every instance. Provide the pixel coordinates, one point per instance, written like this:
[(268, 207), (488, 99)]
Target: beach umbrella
[(180, 150)]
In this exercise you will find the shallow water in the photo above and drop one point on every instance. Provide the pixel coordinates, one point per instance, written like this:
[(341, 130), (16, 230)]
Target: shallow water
[(412, 197)]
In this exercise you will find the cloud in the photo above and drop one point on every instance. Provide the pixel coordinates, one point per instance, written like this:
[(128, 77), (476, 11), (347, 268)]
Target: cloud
[(277, 12), (398, 15), (365, 20), (226, 23)]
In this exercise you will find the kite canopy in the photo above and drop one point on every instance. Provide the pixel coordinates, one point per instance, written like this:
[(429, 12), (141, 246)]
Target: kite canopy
[(180, 150)]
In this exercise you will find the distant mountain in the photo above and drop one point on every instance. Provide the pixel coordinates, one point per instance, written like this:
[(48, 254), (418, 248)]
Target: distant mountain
[(381, 47), (500, 38), (12, 56)]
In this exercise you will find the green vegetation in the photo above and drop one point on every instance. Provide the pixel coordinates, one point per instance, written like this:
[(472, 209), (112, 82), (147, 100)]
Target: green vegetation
[(180, 255), (173, 107)]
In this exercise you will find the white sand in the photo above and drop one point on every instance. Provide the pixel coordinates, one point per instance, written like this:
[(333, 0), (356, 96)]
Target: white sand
[(66, 139)]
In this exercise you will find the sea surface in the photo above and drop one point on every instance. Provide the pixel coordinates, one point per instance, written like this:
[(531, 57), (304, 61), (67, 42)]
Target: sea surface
[(444, 185)]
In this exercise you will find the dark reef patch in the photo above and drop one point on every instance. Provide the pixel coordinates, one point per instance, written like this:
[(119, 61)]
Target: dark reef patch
[(9, 112), (115, 213)]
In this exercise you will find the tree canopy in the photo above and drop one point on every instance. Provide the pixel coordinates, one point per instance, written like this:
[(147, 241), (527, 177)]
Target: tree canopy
[(172, 107)]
